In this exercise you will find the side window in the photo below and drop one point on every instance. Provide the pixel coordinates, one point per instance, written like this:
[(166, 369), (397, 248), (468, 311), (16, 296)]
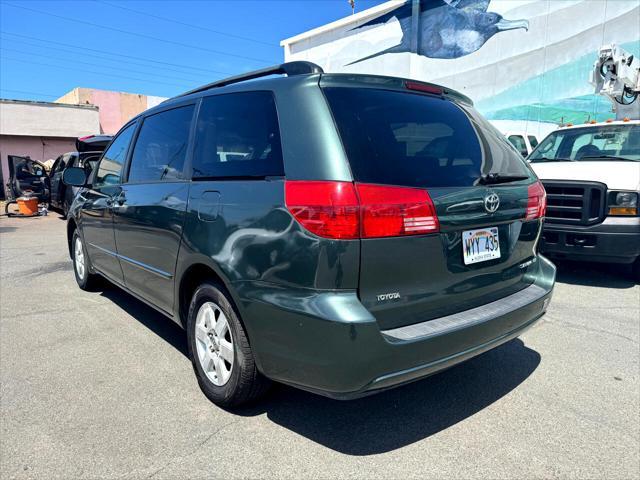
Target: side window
[(88, 163), (110, 169), (518, 142), (533, 141), (72, 161), (58, 165), (238, 135), (161, 147)]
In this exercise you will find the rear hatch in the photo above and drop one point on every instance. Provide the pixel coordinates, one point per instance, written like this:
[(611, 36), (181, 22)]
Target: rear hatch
[(93, 143), (438, 143)]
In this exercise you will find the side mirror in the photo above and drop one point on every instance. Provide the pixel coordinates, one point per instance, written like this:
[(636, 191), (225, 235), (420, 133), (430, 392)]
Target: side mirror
[(74, 176)]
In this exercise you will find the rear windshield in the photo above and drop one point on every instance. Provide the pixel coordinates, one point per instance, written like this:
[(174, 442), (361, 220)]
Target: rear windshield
[(400, 138)]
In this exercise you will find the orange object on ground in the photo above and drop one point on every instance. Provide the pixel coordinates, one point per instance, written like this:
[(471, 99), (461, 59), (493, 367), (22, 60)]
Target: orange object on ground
[(28, 205)]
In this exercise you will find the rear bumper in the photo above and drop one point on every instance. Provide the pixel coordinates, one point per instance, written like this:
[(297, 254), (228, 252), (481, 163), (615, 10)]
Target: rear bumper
[(328, 343), (616, 240)]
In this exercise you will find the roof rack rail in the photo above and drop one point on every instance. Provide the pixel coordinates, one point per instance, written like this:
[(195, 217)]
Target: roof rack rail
[(288, 68)]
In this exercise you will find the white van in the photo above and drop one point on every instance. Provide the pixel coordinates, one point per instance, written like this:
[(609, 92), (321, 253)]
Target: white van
[(591, 174)]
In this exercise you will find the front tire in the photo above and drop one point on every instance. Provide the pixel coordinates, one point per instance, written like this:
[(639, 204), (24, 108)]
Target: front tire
[(81, 266), (65, 209), (219, 350)]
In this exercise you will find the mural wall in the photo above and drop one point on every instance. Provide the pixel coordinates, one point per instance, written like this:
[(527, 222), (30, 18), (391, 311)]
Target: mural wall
[(519, 60)]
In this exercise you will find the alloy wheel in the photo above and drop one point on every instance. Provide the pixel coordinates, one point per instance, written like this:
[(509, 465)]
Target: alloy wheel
[(214, 343), (79, 258)]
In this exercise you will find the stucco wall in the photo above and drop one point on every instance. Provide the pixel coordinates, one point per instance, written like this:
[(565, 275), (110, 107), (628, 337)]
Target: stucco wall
[(116, 108), (47, 119)]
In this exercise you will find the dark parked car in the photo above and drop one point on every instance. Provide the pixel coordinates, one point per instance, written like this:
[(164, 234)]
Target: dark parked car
[(88, 152), (27, 177), (340, 233)]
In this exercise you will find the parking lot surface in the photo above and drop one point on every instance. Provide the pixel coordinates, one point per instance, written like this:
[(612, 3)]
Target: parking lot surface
[(97, 385)]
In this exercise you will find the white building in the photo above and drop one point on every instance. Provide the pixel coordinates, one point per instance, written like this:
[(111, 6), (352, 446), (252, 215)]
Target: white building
[(524, 61)]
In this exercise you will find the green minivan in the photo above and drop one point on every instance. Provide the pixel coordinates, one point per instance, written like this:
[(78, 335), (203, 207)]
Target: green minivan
[(340, 233)]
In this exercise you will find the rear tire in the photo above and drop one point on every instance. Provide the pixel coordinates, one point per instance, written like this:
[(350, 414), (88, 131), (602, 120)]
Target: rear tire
[(219, 350), (81, 265)]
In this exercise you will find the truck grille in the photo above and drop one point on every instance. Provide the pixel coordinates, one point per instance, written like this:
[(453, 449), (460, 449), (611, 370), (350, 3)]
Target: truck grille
[(575, 203)]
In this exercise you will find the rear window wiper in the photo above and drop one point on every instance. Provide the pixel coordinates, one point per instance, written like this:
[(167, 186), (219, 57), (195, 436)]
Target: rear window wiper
[(547, 159), (493, 178), (609, 157)]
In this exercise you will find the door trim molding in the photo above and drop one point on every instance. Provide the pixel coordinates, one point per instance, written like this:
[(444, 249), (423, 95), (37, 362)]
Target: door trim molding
[(136, 263)]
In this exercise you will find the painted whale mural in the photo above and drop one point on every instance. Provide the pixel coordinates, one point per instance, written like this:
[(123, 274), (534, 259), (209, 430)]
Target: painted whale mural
[(534, 76), (446, 29)]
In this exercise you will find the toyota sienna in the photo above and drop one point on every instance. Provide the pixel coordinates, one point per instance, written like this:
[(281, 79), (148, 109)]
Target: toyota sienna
[(340, 233)]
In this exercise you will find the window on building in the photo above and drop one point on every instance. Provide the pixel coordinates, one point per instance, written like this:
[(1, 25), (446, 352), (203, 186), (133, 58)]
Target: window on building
[(238, 136), (161, 147)]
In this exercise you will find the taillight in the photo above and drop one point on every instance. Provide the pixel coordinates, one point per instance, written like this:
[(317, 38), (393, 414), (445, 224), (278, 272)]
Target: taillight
[(537, 201), (328, 209), (342, 210), (394, 211)]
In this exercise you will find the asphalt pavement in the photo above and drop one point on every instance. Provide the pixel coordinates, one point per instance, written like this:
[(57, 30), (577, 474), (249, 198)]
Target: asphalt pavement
[(97, 385)]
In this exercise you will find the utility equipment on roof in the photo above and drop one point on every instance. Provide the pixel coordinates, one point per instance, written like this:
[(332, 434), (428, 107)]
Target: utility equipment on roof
[(616, 75)]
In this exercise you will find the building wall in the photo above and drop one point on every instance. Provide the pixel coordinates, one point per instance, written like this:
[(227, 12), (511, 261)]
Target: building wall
[(536, 72), (47, 119), (116, 108)]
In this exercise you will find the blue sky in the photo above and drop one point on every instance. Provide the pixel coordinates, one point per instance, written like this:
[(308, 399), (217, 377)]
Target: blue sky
[(152, 47)]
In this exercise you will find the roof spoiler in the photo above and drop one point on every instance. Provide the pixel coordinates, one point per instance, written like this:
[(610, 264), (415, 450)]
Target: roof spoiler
[(288, 68)]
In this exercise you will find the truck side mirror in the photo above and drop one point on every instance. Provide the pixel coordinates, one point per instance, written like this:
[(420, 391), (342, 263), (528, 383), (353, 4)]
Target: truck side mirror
[(74, 176)]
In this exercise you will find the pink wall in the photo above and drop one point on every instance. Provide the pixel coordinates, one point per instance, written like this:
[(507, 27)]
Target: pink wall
[(110, 114), (38, 148)]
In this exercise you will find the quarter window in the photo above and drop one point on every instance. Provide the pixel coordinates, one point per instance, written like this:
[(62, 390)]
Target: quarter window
[(59, 165), (238, 136), (161, 147), (110, 169)]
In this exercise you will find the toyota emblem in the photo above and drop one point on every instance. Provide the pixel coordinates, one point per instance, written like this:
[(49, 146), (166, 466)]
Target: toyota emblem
[(491, 202)]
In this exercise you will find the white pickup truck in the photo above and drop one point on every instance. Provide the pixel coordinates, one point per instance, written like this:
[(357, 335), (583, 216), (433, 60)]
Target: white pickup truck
[(592, 177)]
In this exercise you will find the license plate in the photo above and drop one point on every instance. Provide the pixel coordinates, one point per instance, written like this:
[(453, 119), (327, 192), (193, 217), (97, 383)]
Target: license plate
[(480, 245)]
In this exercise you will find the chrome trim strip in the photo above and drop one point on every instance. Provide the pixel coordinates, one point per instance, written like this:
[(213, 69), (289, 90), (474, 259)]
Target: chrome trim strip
[(467, 318), (131, 261), (109, 252)]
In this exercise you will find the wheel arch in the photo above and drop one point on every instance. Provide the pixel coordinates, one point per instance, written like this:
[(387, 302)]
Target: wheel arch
[(71, 227), (194, 275)]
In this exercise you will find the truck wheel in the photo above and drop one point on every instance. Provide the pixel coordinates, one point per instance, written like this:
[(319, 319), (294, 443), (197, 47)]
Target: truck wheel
[(219, 350), (85, 279)]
